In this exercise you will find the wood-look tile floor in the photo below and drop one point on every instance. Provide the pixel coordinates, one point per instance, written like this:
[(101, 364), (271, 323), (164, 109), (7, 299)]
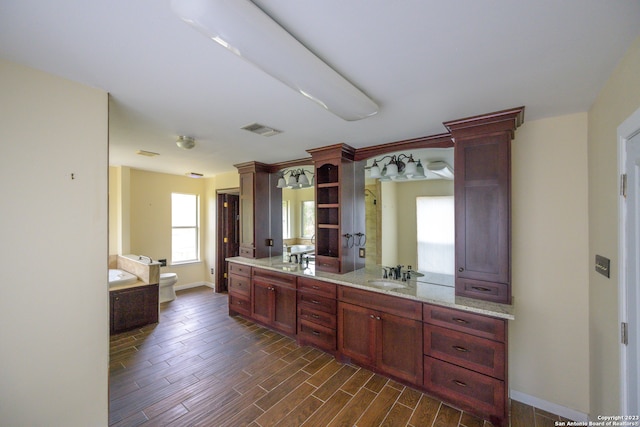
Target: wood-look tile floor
[(200, 367)]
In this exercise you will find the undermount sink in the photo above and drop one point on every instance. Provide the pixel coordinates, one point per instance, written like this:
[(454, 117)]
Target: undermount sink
[(386, 284)]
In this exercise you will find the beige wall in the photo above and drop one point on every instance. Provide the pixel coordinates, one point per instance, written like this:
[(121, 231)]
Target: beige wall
[(619, 98), (54, 306), (141, 205), (549, 340)]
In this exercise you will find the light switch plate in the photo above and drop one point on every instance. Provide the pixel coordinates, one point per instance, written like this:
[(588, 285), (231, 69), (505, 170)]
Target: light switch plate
[(602, 265)]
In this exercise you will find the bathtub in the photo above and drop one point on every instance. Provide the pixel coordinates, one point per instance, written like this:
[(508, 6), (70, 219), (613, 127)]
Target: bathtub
[(121, 277)]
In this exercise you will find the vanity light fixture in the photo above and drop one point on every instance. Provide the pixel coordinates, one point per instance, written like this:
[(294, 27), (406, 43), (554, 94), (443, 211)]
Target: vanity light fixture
[(186, 142), (403, 167), (244, 29), (297, 179)]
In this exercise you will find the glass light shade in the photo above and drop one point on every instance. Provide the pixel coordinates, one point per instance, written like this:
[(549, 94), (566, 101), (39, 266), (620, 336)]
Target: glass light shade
[(375, 171), (281, 182), (392, 169), (410, 168), (303, 180), (293, 181), (419, 171)]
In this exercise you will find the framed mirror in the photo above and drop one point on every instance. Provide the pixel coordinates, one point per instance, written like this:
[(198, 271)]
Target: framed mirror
[(409, 211), (298, 211)]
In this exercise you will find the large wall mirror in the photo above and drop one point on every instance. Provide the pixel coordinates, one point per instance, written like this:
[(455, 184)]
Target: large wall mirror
[(298, 211), (409, 211)]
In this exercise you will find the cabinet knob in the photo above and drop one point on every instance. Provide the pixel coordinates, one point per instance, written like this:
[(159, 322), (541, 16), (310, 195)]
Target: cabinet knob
[(377, 317), (460, 269), (372, 316)]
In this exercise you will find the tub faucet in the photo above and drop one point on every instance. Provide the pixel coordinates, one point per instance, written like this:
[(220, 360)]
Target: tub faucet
[(141, 257)]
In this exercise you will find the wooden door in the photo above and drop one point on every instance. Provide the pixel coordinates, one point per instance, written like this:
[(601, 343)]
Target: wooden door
[(228, 236), (482, 188), (262, 301), (399, 349), (284, 309), (356, 333)]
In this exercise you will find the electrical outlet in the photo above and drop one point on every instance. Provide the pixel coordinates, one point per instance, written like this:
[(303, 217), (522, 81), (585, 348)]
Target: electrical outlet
[(211, 270), (361, 252)]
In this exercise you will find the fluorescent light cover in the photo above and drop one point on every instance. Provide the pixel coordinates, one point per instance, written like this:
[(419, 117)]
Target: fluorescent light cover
[(244, 29)]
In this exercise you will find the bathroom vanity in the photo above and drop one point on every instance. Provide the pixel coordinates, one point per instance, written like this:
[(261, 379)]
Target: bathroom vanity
[(133, 307), (448, 339), (416, 332)]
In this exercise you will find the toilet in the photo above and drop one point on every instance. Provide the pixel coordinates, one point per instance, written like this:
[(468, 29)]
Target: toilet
[(167, 280)]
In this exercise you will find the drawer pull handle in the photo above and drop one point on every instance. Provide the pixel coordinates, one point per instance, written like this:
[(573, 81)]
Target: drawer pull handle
[(459, 320), (315, 287), (377, 317), (315, 316), (316, 333), (313, 301), (372, 316), (460, 349), (481, 289), (459, 383)]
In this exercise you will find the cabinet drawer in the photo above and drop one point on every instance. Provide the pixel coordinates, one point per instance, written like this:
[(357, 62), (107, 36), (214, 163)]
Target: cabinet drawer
[(476, 324), (316, 302), (470, 390), (317, 287), (319, 335), (488, 291), (399, 306), (239, 285), (480, 354), (246, 252), (319, 317), (274, 277), (325, 263), (239, 269), (239, 304)]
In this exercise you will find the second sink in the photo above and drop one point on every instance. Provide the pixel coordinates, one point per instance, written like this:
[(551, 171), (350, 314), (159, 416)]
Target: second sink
[(386, 284)]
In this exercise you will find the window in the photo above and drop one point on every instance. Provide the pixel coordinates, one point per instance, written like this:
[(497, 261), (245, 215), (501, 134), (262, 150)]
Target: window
[(436, 234), (308, 219), (185, 234), (286, 220)]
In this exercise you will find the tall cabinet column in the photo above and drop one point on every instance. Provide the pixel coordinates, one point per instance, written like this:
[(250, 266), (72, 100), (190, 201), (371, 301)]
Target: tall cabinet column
[(340, 222), (260, 211), (483, 203)]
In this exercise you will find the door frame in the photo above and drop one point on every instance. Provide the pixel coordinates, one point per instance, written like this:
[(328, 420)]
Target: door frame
[(627, 130), (219, 263)]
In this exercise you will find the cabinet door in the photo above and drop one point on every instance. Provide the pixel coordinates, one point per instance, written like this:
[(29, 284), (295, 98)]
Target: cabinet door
[(262, 303), (399, 349), (356, 333), (134, 307), (246, 213), (482, 188), (284, 311)]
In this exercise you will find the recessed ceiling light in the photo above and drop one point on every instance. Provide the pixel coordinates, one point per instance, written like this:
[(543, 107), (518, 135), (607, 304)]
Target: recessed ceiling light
[(263, 130), (147, 153)]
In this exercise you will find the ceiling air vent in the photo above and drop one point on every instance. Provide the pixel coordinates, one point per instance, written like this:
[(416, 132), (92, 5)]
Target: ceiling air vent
[(147, 153), (261, 129)]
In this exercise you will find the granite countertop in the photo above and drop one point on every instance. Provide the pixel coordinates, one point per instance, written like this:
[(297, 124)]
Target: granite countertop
[(128, 286), (434, 288)]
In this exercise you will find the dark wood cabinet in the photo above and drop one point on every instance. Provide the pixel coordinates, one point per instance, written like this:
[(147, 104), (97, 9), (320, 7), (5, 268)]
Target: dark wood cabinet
[(274, 300), (483, 204), (260, 212), (239, 284), (381, 332), (339, 189), (133, 307), (465, 361), (317, 313)]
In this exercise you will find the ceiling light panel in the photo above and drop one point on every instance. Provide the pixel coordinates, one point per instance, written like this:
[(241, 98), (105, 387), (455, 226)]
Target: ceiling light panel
[(262, 130), (244, 29)]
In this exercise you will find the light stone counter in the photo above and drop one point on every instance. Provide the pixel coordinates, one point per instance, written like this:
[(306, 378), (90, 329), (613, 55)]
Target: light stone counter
[(436, 289), (128, 286)]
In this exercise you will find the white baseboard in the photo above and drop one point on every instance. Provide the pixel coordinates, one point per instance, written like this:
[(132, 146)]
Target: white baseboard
[(193, 285), (554, 408)]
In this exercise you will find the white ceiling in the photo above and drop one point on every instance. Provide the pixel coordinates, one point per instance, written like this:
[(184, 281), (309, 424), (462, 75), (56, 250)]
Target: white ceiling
[(422, 61)]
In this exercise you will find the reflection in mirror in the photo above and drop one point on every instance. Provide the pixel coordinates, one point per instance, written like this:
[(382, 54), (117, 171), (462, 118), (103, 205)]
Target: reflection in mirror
[(298, 212), (409, 210)]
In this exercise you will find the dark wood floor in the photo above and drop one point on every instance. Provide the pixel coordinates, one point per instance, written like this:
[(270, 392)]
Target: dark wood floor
[(200, 367)]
